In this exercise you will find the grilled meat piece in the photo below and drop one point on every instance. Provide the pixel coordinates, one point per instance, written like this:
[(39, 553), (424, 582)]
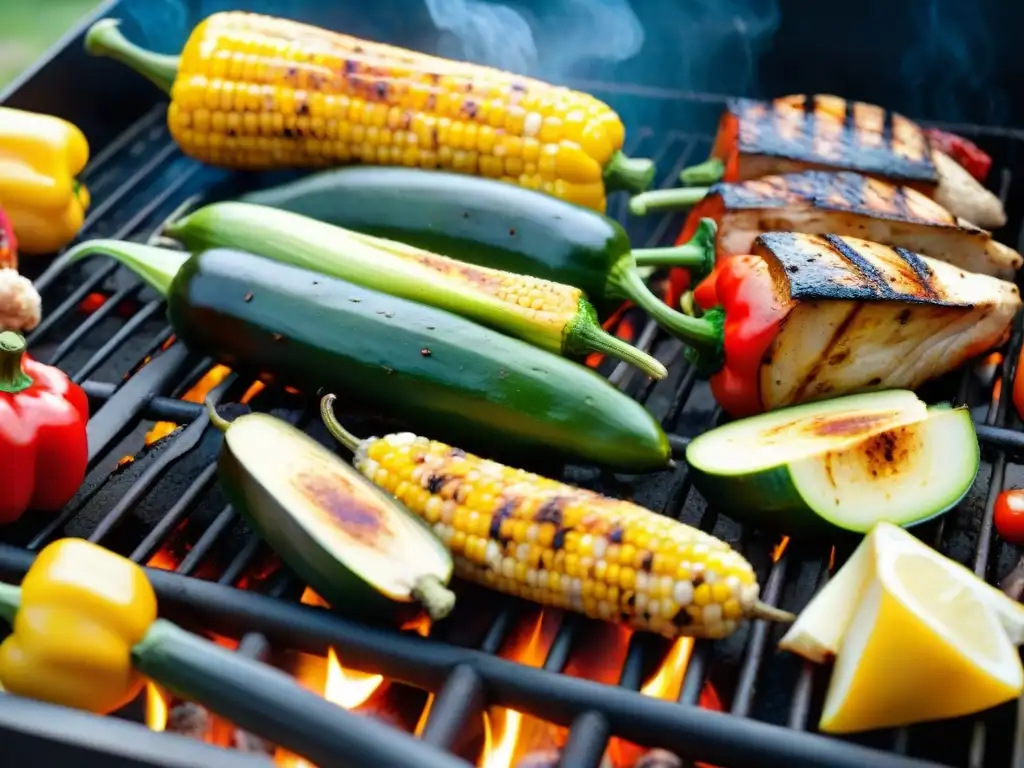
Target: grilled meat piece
[(844, 203), (797, 133), (866, 316)]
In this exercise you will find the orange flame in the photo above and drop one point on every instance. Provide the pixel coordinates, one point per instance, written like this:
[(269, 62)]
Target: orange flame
[(668, 680), (328, 676), (163, 560), (502, 726), (780, 549), (197, 394), (664, 684), (156, 707)]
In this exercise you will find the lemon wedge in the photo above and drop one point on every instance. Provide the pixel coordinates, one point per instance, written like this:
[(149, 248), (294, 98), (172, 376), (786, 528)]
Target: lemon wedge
[(821, 626), (920, 646)]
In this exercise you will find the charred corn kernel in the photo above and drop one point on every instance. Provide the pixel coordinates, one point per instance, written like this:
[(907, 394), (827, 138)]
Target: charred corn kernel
[(562, 546), (237, 63)]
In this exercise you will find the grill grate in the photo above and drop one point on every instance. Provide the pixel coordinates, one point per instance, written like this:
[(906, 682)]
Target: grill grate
[(141, 179)]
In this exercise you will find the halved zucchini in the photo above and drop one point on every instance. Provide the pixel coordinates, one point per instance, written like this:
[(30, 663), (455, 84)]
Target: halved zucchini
[(851, 462), (358, 548)]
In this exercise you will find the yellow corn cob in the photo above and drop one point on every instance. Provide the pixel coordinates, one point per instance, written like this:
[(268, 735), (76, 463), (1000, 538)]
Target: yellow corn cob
[(256, 92), (561, 546)]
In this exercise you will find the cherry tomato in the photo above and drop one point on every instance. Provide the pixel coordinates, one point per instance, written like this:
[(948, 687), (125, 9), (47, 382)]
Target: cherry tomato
[(1009, 516)]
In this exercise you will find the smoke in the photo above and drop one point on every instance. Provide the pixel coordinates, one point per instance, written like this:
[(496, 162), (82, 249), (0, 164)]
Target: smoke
[(715, 45), (950, 64), (570, 33)]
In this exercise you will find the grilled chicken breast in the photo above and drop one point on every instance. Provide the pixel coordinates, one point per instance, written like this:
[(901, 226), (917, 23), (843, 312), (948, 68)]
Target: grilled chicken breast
[(845, 203), (865, 316), (822, 132)]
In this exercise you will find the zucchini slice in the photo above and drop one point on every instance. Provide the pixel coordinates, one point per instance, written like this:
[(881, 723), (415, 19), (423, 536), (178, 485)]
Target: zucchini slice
[(849, 462), (354, 545)]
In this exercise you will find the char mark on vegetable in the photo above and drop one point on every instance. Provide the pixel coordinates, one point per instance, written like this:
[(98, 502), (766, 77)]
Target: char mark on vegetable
[(335, 495), (551, 511)]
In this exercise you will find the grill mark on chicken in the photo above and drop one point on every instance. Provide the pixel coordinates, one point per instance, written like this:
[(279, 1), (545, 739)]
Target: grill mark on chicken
[(887, 129), (901, 208), (827, 267), (826, 353), (847, 144), (921, 270), (861, 265), (842, 191)]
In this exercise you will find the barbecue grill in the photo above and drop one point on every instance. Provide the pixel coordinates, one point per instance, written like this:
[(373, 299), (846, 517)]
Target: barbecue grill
[(152, 495)]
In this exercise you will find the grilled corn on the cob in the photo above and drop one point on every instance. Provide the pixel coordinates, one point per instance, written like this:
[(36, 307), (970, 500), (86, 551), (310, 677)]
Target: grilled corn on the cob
[(253, 92), (561, 546)]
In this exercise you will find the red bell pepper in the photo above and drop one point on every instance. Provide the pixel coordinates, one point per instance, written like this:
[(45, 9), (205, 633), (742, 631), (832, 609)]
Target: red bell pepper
[(753, 312), (43, 447), (730, 340), (974, 160)]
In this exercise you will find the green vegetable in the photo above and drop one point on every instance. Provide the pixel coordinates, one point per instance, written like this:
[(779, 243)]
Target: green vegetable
[(849, 462), (493, 224), (553, 317), (353, 544), (441, 374)]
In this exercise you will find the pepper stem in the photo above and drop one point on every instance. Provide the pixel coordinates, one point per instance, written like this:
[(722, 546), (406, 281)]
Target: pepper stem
[(586, 335), (708, 172), (675, 199), (12, 376), (697, 256), (216, 419), (337, 431), (104, 38), (627, 284), (688, 305), (156, 266), (434, 596), (633, 174), (10, 600)]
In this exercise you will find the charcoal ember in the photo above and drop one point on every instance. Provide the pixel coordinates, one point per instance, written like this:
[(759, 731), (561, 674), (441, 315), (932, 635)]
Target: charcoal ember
[(659, 758), (547, 758), (190, 719), (247, 742)]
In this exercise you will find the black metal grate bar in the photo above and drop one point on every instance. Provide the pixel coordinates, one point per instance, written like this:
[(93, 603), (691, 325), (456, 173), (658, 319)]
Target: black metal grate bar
[(744, 697), (693, 732), (125, 332), (586, 743), (460, 700), (151, 544)]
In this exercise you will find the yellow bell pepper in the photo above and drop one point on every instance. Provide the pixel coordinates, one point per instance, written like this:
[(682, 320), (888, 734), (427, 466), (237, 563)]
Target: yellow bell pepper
[(82, 608), (40, 156)]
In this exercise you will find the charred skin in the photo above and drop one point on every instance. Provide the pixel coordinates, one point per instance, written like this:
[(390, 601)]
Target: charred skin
[(821, 132), (355, 546), (846, 203), (797, 133), (864, 316), (848, 462)]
